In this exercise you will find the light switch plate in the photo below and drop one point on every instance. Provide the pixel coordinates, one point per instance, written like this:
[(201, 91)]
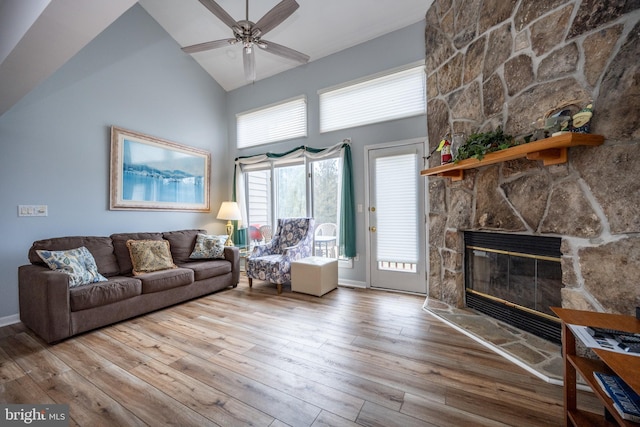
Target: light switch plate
[(33, 210)]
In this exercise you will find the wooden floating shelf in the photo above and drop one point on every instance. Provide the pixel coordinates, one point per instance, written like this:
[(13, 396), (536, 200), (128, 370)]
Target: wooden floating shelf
[(552, 151)]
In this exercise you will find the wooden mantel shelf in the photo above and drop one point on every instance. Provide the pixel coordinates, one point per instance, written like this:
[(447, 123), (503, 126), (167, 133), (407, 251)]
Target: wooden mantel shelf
[(552, 151)]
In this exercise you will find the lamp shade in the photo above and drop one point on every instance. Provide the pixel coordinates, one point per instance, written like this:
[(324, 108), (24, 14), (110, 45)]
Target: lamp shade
[(229, 211)]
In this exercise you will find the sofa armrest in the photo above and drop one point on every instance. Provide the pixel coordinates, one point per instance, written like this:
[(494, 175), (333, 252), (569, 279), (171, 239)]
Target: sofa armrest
[(232, 254), (44, 301)]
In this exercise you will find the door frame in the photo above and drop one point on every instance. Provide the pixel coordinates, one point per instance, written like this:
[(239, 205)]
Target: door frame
[(422, 203)]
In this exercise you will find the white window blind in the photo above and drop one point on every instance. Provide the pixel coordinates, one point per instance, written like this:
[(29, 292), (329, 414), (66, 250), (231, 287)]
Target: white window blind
[(394, 95), (396, 209), (276, 122)]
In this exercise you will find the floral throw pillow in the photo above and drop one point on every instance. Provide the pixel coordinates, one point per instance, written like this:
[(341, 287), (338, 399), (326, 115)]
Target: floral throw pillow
[(150, 255), (78, 264), (208, 247)]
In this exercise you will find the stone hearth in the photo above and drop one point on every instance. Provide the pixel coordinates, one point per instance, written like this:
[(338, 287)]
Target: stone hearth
[(493, 63), (538, 356)]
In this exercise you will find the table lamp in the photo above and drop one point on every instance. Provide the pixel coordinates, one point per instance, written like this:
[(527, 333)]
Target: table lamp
[(231, 212)]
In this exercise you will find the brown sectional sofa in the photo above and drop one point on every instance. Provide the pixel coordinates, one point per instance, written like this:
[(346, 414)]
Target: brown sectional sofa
[(55, 311)]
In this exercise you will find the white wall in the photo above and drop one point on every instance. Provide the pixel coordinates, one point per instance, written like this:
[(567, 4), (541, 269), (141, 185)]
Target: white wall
[(392, 50), (55, 141)]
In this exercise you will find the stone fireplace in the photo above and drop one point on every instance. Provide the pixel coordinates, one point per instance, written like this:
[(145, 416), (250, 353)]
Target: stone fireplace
[(506, 63)]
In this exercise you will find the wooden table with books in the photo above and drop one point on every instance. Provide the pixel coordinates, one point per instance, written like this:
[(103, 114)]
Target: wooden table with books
[(623, 365)]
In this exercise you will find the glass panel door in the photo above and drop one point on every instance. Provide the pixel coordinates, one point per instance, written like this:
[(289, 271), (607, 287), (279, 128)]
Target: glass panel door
[(291, 191), (325, 188), (396, 231)]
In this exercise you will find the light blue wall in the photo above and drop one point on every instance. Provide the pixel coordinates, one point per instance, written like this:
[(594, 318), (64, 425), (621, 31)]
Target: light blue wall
[(55, 141), (392, 50)]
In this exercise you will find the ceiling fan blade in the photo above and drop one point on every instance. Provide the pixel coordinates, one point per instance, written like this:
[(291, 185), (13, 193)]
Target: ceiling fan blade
[(275, 16), (284, 51), (208, 45), (249, 60), (220, 13)]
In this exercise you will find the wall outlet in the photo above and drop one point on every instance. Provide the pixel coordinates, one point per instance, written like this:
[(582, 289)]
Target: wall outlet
[(33, 210), (357, 257)]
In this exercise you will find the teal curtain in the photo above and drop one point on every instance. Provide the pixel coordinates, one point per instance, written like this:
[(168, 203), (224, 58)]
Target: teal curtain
[(240, 237), (347, 203), (347, 207)]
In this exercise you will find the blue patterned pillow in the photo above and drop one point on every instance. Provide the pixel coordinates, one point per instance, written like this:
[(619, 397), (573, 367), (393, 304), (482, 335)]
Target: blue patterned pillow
[(78, 263), (208, 247)]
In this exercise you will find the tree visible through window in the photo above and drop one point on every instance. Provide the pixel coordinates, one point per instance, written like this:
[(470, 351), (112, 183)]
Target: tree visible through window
[(291, 191), (325, 191)]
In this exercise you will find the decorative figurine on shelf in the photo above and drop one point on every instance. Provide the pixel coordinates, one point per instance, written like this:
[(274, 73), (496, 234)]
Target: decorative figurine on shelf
[(582, 119), (559, 123), (445, 151)]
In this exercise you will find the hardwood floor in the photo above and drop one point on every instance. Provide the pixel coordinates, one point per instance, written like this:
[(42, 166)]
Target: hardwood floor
[(245, 356)]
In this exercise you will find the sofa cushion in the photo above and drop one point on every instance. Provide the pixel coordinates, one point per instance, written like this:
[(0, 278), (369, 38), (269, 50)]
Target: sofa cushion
[(209, 268), (118, 288), (150, 255), (78, 264), (166, 279), (182, 243), (122, 252), (209, 247), (100, 247)]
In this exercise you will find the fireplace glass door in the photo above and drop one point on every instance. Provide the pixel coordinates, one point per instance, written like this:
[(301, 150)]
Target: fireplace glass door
[(516, 279), (526, 281)]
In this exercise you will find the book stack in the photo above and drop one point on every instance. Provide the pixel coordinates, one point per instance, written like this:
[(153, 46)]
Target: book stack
[(625, 401)]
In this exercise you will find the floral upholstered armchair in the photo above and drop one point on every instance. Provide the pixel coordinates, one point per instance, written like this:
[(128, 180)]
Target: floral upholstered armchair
[(271, 262)]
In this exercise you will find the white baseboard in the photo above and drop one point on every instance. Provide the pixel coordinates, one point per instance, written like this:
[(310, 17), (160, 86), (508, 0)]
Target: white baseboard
[(352, 283), (9, 320)]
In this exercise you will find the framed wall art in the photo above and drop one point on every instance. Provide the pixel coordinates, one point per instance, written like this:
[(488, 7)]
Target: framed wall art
[(149, 173)]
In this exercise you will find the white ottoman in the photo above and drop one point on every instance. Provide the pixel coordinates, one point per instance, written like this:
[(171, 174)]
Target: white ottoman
[(314, 275)]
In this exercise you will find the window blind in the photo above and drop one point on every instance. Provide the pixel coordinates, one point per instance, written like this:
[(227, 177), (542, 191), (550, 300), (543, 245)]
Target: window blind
[(396, 209), (276, 122), (391, 96)]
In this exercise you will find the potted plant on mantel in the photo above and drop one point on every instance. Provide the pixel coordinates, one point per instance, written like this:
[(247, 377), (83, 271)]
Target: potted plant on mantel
[(479, 144)]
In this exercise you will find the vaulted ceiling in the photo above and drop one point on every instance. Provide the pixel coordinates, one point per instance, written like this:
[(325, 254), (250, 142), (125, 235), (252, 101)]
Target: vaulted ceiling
[(39, 36), (317, 28)]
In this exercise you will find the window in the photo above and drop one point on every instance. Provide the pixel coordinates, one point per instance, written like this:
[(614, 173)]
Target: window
[(291, 191), (388, 96), (397, 212), (259, 193), (294, 195), (276, 122), (325, 189)]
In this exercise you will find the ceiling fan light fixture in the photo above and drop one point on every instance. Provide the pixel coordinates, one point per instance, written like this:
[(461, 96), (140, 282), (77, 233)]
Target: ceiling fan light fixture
[(248, 34)]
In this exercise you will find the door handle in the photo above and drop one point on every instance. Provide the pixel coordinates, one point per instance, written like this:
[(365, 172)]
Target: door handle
[(372, 229)]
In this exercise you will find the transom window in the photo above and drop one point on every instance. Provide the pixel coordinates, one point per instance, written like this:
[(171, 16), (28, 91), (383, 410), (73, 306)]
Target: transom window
[(275, 122), (391, 95)]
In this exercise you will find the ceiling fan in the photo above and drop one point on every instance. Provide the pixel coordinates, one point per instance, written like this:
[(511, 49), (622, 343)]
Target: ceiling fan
[(249, 34)]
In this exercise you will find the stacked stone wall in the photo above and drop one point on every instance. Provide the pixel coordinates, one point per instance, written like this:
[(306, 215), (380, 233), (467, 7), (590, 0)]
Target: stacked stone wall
[(507, 63)]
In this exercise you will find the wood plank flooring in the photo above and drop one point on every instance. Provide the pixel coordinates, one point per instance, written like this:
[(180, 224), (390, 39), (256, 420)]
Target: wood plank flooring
[(245, 356)]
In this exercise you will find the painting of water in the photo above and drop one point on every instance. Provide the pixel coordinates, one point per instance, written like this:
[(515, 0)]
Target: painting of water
[(149, 173)]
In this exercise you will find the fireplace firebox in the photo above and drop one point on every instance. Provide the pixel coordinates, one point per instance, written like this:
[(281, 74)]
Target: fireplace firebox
[(515, 279)]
